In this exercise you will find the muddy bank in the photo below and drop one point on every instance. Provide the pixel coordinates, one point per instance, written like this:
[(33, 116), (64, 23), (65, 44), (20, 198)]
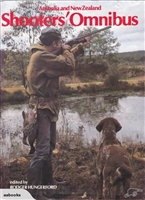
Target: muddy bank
[(78, 167)]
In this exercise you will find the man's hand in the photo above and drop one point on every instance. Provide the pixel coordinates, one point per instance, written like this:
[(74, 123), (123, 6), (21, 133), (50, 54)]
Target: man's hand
[(65, 47), (87, 40)]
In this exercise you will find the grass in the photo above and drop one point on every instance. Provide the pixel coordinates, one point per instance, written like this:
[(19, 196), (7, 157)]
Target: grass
[(75, 85), (131, 81), (14, 89), (76, 163), (16, 95), (135, 80)]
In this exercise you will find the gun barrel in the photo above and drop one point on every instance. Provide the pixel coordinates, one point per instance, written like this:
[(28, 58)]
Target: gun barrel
[(82, 38), (95, 31)]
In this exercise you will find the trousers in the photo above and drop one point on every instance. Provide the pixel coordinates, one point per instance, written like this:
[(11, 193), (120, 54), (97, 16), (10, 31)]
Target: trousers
[(45, 144)]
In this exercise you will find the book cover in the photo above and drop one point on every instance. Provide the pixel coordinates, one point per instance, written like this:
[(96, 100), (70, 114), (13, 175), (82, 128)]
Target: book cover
[(99, 146)]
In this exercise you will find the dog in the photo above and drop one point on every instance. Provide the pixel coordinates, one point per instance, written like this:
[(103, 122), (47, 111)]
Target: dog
[(113, 166)]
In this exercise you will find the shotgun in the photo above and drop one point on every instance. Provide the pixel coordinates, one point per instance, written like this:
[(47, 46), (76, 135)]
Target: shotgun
[(81, 39)]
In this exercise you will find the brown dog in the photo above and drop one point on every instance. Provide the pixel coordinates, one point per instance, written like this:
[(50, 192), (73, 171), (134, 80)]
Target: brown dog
[(113, 166)]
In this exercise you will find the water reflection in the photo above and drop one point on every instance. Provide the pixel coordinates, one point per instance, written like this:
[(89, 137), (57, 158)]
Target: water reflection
[(87, 112), (78, 114)]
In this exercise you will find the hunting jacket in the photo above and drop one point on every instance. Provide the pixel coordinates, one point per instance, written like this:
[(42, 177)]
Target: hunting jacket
[(43, 74)]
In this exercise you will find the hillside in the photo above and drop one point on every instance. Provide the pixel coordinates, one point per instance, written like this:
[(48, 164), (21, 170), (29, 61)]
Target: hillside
[(134, 56), (131, 64)]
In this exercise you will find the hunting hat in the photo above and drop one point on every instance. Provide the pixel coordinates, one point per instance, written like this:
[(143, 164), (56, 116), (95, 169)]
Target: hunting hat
[(48, 35)]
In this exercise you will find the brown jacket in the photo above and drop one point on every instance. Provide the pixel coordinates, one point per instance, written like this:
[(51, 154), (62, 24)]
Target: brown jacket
[(43, 74)]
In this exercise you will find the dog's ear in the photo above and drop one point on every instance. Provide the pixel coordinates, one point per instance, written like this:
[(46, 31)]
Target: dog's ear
[(23, 114), (99, 127), (117, 125)]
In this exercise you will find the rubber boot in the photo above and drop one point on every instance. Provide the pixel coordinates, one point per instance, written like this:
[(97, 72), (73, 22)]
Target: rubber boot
[(40, 196), (47, 179), (47, 175), (34, 179)]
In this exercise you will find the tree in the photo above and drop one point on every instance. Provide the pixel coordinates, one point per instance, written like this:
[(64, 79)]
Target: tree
[(100, 53), (31, 33), (19, 38), (15, 64), (102, 43)]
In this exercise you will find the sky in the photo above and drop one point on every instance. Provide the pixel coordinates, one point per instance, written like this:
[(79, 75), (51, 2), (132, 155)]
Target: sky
[(131, 38)]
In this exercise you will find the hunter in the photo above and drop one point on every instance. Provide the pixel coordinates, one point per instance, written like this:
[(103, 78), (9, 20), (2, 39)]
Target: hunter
[(50, 60)]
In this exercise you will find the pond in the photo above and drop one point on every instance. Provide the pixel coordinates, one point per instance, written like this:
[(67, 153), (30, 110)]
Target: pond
[(78, 114)]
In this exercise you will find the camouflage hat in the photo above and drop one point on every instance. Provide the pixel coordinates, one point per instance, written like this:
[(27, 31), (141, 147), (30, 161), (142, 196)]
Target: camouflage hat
[(48, 35)]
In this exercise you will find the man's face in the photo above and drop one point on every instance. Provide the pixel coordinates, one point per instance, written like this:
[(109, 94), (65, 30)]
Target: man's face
[(57, 44)]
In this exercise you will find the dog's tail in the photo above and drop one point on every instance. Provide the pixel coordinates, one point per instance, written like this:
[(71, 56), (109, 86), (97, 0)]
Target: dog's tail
[(125, 171)]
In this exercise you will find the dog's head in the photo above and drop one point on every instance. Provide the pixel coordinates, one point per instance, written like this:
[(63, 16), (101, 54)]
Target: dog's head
[(109, 121)]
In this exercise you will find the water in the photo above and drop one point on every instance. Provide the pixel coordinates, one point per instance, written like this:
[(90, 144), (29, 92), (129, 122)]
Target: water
[(78, 114)]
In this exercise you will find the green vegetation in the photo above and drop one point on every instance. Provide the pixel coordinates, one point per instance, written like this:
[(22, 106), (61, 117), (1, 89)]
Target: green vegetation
[(17, 94), (132, 58), (13, 97), (101, 67)]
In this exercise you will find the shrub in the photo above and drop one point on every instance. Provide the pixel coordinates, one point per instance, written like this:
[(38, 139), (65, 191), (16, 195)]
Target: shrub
[(92, 88), (69, 140), (111, 81), (17, 96), (64, 90), (141, 84)]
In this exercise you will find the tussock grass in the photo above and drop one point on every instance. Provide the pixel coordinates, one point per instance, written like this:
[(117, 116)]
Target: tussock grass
[(14, 89), (76, 85), (17, 93), (135, 80)]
